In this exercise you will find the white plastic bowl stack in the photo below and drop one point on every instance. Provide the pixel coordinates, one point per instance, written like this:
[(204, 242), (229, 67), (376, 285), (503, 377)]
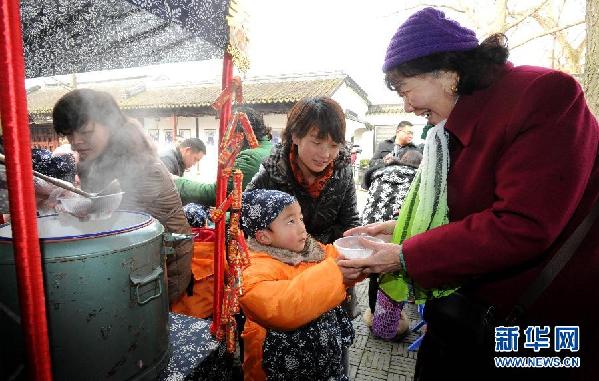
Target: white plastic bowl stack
[(351, 248)]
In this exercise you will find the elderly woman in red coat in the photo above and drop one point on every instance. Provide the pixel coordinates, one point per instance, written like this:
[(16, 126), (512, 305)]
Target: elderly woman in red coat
[(509, 171)]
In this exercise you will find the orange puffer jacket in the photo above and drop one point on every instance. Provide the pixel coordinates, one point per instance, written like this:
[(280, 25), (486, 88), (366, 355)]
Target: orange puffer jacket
[(285, 296)]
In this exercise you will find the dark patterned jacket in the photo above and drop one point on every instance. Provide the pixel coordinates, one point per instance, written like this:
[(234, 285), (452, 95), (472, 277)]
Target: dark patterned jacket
[(384, 148), (328, 216), (4, 206), (386, 193)]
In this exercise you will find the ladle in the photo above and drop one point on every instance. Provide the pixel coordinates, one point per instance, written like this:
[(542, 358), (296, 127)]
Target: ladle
[(112, 187)]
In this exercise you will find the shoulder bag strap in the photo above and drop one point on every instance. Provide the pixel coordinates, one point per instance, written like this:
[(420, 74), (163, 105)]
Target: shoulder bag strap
[(554, 266)]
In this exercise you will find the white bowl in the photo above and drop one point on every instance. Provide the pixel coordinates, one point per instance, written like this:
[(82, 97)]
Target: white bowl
[(351, 248), (95, 208)]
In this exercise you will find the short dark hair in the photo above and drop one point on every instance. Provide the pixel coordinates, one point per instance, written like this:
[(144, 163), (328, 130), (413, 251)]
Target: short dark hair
[(78, 107), (476, 67), (321, 112), (411, 157), (257, 121), (196, 145), (402, 124)]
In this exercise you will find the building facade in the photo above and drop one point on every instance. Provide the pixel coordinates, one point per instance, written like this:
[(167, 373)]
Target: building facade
[(168, 111)]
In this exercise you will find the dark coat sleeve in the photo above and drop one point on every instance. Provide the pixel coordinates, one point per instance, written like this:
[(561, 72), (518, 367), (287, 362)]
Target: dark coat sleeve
[(335, 211), (170, 162), (384, 148), (261, 180), (368, 175), (4, 206), (348, 216)]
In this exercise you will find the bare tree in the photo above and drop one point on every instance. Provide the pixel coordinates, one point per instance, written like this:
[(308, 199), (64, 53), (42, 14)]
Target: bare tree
[(566, 54), (591, 72), (543, 17)]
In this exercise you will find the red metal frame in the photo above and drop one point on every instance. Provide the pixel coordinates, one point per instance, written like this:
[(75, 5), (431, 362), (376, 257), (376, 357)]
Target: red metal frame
[(28, 261), (221, 194)]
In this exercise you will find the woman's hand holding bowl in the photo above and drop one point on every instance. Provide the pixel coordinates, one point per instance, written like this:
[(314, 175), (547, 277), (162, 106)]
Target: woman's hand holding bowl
[(381, 230)]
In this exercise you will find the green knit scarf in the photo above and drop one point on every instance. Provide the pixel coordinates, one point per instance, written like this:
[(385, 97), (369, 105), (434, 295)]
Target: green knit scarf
[(424, 208)]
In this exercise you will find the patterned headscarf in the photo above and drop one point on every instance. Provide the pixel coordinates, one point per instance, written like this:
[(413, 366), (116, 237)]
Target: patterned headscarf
[(260, 207), (196, 214), (62, 167)]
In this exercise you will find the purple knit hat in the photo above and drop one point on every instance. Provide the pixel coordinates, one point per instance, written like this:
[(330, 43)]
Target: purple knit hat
[(426, 32)]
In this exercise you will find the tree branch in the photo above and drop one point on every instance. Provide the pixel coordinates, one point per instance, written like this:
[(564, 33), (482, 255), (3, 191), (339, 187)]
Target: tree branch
[(546, 33), (526, 15), (437, 6)]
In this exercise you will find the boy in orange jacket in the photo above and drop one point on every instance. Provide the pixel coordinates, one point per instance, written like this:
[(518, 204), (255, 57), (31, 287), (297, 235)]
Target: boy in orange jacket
[(295, 327)]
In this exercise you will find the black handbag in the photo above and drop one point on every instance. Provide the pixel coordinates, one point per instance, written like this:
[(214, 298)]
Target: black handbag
[(460, 319)]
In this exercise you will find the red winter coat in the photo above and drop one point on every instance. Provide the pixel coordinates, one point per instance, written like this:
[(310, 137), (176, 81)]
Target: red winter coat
[(524, 172)]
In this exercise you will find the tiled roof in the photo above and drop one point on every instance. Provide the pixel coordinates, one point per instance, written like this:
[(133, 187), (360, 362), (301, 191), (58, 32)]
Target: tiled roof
[(385, 109), (257, 91)]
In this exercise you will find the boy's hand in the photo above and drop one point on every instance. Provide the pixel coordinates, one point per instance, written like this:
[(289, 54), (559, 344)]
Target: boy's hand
[(351, 275), (384, 259)]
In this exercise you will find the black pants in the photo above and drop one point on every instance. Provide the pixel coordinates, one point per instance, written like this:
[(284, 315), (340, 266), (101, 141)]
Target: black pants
[(350, 304), (373, 287), (439, 360), (448, 352)]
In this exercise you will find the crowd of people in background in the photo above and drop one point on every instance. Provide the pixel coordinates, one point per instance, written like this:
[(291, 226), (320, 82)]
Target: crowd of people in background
[(248, 161)]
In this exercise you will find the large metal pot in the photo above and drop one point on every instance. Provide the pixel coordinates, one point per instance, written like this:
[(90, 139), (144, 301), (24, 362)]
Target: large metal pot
[(106, 298)]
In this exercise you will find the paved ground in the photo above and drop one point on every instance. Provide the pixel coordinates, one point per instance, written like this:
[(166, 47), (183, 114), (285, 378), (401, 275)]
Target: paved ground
[(373, 359)]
